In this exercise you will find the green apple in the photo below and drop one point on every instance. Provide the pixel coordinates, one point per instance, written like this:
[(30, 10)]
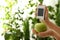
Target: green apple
[(40, 27)]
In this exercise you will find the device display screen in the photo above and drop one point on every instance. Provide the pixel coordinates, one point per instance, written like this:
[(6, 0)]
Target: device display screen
[(40, 11)]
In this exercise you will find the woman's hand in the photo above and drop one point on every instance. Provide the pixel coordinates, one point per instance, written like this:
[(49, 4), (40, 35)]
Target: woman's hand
[(34, 32), (47, 33)]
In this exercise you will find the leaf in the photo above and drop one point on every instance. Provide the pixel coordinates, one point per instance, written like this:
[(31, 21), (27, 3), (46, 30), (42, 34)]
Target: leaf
[(51, 16), (41, 1), (31, 13), (51, 9), (7, 15), (6, 26)]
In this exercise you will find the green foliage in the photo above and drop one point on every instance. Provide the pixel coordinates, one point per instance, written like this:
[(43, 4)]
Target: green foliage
[(6, 26), (7, 15), (46, 38), (51, 9), (41, 1), (31, 4), (51, 16), (58, 14), (26, 29), (13, 34), (8, 8), (34, 21)]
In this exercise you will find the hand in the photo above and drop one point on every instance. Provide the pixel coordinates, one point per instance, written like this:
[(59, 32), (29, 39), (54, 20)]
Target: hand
[(47, 33), (34, 31)]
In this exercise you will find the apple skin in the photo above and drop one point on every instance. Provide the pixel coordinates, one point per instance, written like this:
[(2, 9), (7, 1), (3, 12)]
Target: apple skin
[(40, 27)]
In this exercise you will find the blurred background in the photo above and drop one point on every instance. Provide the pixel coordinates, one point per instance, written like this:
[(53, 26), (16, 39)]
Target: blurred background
[(17, 18)]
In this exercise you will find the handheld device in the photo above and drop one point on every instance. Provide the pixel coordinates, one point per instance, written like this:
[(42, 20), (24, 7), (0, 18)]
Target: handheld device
[(40, 12)]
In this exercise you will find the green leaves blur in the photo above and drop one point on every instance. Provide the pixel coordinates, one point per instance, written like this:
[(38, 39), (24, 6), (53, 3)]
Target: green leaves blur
[(58, 13), (14, 34), (26, 29), (51, 9), (7, 15), (41, 1)]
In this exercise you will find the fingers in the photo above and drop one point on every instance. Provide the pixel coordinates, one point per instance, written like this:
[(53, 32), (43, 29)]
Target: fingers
[(34, 31), (46, 13), (43, 34), (46, 33)]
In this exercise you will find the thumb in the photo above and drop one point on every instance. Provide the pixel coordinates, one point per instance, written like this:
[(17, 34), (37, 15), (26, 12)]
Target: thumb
[(34, 31)]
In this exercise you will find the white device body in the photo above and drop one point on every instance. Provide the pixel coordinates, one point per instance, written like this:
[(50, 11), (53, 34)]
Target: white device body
[(41, 16)]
